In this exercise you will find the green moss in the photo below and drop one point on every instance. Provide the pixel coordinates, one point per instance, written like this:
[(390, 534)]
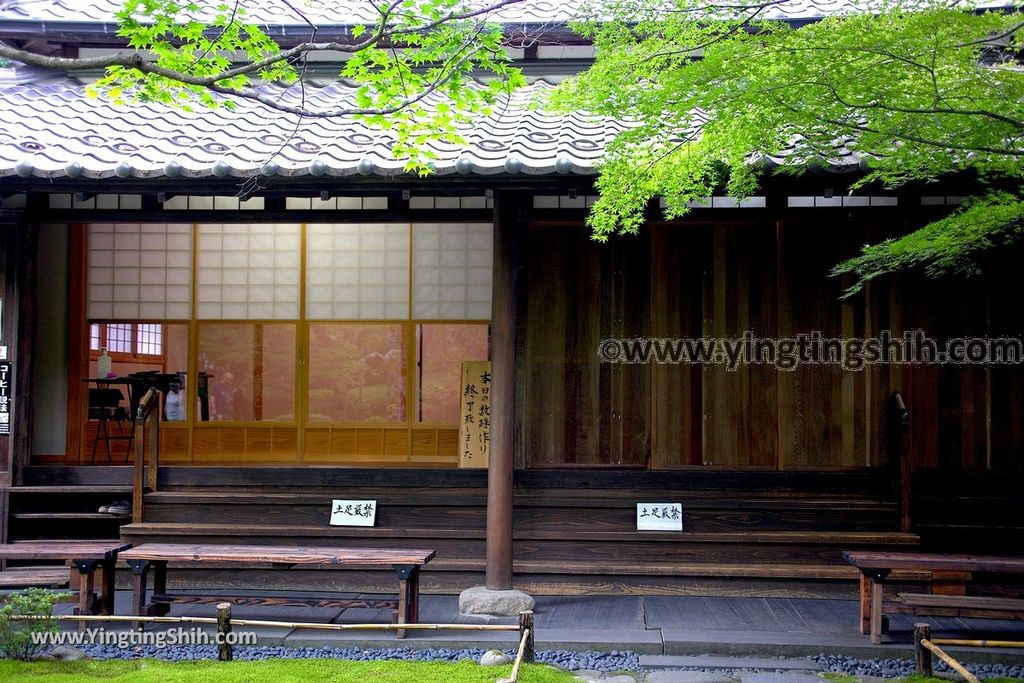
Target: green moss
[(277, 670), (932, 679), (839, 678)]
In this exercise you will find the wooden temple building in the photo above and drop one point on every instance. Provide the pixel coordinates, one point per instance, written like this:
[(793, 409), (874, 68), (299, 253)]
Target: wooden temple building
[(308, 307)]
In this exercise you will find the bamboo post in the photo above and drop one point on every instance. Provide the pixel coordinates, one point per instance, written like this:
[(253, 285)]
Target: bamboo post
[(224, 632), (526, 635), (922, 655)]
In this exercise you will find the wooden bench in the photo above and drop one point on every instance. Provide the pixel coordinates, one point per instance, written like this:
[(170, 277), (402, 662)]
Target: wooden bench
[(43, 577), (405, 563), (949, 577), (971, 606), (86, 557)]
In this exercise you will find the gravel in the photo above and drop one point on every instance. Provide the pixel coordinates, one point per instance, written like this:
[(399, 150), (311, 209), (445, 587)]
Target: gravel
[(565, 659), (893, 668)]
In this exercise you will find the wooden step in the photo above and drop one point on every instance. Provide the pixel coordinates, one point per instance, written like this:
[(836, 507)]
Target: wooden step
[(57, 577), (845, 538), (71, 516), (463, 497), (92, 488)]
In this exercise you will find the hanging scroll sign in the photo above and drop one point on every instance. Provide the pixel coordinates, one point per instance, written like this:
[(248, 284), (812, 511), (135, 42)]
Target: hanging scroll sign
[(475, 414)]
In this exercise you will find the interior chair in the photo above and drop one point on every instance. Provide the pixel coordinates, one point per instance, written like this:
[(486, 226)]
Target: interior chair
[(104, 407)]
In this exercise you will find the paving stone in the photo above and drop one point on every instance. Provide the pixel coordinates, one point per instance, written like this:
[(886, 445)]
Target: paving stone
[(779, 678), (686, 677), (713, 662)]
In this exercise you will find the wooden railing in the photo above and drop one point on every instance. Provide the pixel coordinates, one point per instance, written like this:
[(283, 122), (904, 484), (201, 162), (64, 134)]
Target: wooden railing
[(147, 448)]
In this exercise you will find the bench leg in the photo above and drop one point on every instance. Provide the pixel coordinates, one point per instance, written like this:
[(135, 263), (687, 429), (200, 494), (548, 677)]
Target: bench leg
[(414, 596), (407, 580), (159, 588), (140, 573), (877, 577), (86, 588), (107, 587), (865, 604)]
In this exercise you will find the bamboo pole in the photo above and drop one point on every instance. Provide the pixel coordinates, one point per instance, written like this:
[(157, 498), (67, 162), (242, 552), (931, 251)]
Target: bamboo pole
[(977, 643), (272, 624), (955, 665), (519, 657)]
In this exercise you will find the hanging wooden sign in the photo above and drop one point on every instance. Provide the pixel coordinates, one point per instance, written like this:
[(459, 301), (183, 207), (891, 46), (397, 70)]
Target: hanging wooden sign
[(475, 415), (6, 375)]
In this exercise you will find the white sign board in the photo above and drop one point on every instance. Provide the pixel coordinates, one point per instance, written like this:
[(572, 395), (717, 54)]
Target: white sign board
[(353, 512), (659, 516)]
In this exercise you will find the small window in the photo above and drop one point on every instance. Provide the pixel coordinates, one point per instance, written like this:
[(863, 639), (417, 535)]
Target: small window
[(127, 341)]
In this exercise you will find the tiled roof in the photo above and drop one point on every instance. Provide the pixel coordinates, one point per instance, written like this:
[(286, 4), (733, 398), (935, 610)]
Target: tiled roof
[(55, 130), (348, 12)]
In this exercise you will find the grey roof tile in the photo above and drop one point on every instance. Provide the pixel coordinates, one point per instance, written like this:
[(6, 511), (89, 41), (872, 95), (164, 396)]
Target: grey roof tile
[(348, 12), (55, 124), (55, 127)]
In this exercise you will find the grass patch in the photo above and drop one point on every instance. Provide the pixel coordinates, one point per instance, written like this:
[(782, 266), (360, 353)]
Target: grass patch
[(277, 670), (841, 678)]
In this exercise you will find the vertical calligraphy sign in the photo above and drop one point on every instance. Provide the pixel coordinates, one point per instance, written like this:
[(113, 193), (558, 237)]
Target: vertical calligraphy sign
[(475, 415), (6, 375)]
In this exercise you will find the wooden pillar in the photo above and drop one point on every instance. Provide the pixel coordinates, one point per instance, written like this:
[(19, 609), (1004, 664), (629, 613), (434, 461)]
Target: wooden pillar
[(508, 233), (17, 265)]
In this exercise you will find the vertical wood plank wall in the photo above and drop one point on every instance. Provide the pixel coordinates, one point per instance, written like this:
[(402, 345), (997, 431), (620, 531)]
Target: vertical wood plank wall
[(771, 278)]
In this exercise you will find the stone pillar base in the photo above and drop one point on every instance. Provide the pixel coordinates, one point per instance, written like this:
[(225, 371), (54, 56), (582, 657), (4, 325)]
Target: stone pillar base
[(482, 600)]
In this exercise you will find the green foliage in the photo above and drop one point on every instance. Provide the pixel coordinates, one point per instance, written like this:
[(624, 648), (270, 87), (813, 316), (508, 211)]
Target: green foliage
[(188, 49), (422, 91), (951, 245), (919, 93), (283, 670), (17, 635), (418, 52)]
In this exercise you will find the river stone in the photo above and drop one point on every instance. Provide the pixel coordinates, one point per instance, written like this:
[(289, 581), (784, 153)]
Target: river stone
[(480, 600), (494, 658), (66, 654)]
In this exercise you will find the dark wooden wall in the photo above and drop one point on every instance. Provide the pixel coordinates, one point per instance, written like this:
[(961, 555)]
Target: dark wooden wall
[(767, 275), (17, 272)]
